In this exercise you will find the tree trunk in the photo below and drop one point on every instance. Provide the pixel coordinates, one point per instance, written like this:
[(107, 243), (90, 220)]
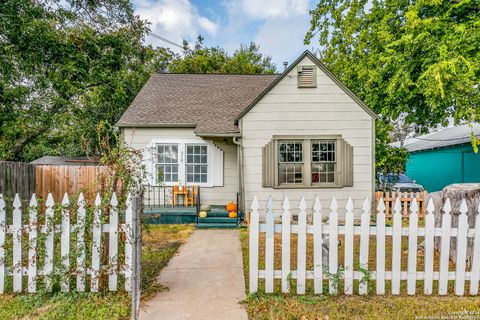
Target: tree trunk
[(456, 193)]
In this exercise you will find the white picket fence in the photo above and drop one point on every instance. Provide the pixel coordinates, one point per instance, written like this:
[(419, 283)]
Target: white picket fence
[(380, 231), (19, 267)]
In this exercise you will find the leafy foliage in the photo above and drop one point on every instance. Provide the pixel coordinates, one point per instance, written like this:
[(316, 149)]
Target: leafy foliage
[(201, 59), (71, 68), (67, 67), (389, 159), (416, 58)]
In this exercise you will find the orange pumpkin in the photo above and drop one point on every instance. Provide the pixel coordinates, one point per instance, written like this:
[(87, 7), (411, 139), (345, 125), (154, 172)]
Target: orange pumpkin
[(231, 206), (232, 214)]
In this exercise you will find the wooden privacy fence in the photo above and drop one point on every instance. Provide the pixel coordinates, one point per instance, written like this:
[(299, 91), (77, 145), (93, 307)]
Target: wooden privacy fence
[(17, 177), (57, 247), (405, 198), (356, 268), (61, 179)]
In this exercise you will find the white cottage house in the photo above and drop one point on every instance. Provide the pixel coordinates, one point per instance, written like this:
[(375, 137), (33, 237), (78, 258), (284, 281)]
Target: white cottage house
[(298, 133)]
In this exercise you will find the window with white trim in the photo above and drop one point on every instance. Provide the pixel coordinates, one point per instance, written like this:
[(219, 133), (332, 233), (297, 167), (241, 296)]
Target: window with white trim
[(167, 162), (186, 161), (197, 163)]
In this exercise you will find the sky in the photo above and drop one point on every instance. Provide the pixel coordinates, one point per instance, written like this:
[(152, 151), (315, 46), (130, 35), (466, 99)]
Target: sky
[(277, 26)]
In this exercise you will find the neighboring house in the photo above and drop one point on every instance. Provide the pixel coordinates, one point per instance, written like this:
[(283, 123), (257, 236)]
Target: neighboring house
[(444, 157), (300, 133)]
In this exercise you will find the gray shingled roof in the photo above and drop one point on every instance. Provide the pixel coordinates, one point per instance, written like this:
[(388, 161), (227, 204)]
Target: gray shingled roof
[(66, 161), (208, 102), (443, 138)]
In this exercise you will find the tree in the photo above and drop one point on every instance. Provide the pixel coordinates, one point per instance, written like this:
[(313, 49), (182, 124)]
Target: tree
[(66, 68), (419, 59), (201, 59)]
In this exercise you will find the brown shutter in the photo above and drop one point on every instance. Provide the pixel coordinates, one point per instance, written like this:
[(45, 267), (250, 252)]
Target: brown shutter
[(346, 163), (268, 165)]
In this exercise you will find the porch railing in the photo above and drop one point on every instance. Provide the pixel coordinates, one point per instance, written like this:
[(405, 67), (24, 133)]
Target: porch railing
[(197, 205), (156, 196)]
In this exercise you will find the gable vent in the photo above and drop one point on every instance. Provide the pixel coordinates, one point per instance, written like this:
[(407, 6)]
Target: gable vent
[(307, 76)]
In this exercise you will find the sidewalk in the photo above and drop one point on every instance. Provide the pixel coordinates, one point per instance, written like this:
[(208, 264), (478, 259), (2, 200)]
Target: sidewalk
[(205, 280)]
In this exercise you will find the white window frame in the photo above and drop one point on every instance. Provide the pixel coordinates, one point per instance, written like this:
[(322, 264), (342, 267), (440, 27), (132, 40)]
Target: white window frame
[(196, 164), (157, 164), (150, 162)]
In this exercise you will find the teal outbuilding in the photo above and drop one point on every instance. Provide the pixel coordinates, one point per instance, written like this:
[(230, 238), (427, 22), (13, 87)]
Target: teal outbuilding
[(444, 157)]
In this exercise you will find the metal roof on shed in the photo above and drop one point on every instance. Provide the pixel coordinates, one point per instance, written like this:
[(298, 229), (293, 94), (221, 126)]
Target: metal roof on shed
[(446, 137)]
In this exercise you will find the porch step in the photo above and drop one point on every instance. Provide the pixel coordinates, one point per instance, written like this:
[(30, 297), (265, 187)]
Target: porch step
[(217, 220), (217, 225), (217, 214)]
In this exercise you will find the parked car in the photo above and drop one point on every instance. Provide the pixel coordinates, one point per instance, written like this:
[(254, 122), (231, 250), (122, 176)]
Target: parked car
[(398, 182)]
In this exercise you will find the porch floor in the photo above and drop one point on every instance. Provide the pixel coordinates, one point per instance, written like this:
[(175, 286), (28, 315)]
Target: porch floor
[(217, 217)]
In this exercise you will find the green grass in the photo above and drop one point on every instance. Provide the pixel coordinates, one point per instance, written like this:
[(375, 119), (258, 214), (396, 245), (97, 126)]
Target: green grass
[(289, 306), (160, 242)]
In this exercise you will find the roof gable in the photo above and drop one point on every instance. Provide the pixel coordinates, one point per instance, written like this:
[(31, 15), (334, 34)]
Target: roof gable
[(324, 69)]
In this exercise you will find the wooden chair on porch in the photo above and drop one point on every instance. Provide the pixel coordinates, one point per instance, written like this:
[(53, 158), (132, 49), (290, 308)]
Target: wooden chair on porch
[(191, 196), (177, 191)]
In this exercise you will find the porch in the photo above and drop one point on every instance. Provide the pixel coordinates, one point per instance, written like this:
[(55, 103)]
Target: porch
[(159, 209)]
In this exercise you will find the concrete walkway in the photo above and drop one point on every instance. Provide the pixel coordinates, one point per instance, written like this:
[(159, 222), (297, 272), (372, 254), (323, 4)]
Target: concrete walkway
[(205, 280)]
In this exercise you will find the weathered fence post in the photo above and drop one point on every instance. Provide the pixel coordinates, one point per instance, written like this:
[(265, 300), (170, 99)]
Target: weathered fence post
[(286, 217), (269, 246), (364, 243), (317, 247), (65, 244), (32, 249), (396, 247), (302, 246), (445, 249), (429, 246), (412, 248), (333, 246), (137, 210), (3, 233), (17, 245), (462, 232), (348, 287), (476, 255), (380, 275), (96, 244), (253, 246), (81, 272), (113, 244), (129, 242)]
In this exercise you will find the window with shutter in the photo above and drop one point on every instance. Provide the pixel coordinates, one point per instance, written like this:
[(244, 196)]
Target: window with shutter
[(307, 162), (307, 76)]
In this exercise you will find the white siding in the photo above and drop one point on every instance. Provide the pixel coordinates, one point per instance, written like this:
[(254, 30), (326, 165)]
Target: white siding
[(141, 138), (289, 110)]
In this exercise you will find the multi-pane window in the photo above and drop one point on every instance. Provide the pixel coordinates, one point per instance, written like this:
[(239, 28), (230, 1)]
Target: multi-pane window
[(197, 163), (307, 161), (290, 162), (167, 163), (323, 161)]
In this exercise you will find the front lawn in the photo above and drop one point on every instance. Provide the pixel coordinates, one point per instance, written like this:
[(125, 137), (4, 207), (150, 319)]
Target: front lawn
[(160, 242), (371, 306)]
